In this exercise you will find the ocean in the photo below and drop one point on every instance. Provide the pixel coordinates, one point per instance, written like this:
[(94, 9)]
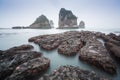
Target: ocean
[(15, 37)]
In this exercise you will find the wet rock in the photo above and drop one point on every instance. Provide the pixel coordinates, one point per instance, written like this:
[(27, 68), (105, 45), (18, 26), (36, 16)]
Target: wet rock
[(69, 43), (30, 69), (8, 65), (72, 73), (37, 39), (12, 58), (12, 51), (96, 54), (21, 47), (109, 38), (67, 19), (47, 42), (70, 47), (50, 42), (113, 49), (114, 36)]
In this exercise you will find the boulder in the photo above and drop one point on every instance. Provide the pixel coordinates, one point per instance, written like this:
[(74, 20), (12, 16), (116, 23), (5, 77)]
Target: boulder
[(70, 47), (67, 19), (50, 42), (41, 22), (21, 59), (37, 39), (109, 38), (114, 50), (47, 42), (21, 48), (96, 54), (72, 73), (12, 51), (114, 36), (8, 65), (30, 69)]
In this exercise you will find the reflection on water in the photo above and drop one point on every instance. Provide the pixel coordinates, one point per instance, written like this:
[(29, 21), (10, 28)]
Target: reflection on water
[(21, 37)]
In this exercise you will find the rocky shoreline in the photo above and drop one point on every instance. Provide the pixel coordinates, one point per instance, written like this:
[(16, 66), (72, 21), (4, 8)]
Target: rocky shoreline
[(20, 59), (72, 73), (86, 44), (22, 63)]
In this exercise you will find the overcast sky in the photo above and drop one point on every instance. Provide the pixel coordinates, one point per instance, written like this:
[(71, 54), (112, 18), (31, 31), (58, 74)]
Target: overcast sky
[(95, 13)]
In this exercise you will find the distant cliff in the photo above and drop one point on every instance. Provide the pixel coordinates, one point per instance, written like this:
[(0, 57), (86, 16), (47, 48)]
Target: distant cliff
[(67, 19), (41, 22)]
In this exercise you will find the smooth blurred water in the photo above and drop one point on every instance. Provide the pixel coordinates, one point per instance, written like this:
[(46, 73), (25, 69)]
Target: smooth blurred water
[(16, 37)]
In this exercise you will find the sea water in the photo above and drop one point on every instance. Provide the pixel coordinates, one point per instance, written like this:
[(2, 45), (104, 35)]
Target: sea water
[(15, 37)]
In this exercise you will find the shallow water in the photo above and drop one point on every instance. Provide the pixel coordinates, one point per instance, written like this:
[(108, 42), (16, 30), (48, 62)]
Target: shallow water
[(16, 37)]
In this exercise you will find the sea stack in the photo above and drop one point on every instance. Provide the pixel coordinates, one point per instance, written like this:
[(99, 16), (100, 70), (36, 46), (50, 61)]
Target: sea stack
[(41, 22), (82, 24), (67, 19), (51, 23)]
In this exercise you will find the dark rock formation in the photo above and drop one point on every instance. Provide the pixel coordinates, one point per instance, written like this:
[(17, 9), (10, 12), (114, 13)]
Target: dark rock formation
[(67, 19), (82, 24), (109, 38), (29, 70), (15, 56), (114, 50), (96, 54), (115, 37), (12, 51), (112, 43), (18, 27), (69, 43), (8, 65), (70, 47), (51, 23), (72, 73), (50, 42), (41, 22)]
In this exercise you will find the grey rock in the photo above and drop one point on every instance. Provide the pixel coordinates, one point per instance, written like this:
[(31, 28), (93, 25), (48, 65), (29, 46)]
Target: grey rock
[(41, 22), (114, 50), (51, 23), (70, 47), (70, 43), (8, 65), (72, 73), (96, 54), (114, 36), (82, 24), (20, 63), (67, 19), (12, 51), (30, 69)]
